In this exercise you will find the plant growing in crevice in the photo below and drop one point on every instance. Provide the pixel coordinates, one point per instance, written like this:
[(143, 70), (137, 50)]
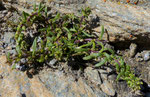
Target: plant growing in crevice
[(41, 37)]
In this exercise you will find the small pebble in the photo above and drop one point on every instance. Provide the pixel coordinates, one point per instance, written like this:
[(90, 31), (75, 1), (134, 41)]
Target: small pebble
[(23, 60), (133, 49), (139, 57), (147, 56), (5, 11), (53, 62)]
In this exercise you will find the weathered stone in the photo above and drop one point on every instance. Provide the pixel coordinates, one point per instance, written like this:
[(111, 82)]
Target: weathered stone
[(63, 86), (93, 75), (108, 46), (139, 57), (133, 49), (46, 84), (112, 77), (118, 21), (52, 62), (8, 36), (108, 69), (103, 74), (147, 56), (108, 88)]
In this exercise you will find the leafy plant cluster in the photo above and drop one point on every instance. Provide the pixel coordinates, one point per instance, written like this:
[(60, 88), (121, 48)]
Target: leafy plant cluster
[(41, 36)]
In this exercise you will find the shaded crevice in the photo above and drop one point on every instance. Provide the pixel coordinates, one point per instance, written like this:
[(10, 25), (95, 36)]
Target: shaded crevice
[(2, 6), (142, 41)]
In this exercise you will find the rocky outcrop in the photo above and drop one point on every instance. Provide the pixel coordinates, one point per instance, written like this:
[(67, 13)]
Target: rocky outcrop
[(14, 83)]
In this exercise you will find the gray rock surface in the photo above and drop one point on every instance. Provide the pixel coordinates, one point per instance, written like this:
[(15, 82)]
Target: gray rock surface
[(14, 83), (147, 56), (133, 49), (93, 75), (108, 88), (139, 57)]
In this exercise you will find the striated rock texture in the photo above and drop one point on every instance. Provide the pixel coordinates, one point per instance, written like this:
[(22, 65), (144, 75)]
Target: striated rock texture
[(14, 83)]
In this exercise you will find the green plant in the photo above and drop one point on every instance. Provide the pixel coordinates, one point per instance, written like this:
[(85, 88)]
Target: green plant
[(125, 73), (41, 37)]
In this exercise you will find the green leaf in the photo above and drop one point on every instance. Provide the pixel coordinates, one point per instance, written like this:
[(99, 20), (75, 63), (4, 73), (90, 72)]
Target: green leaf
[(34, 7), (118, 77), (8, 57), (94, 45), (23, 28), (45, 11), (73, 30), (86, 45), (96, 55), (117, 67), (127, 68), (111, 51), (19, 28), (81, 50), (56, 17), (34, 46), (69, 36), (14, 66), (102, 46), (42, 29), (127, 73), (58, 35), (86, 34), (66, 29), (102, 32), (40, 5), (101, 63), (24, 15), (18, 50), (107, 56), (87, 57), (41, 9), (41, 59)]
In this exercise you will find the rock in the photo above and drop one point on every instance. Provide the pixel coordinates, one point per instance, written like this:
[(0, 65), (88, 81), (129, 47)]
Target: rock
[(147, 56), (46, 84), (108, 88), (67, 87), (103, 74), (108, 69), (92, 75), (53, 62), (12, 52), (23, 60), (112, 77), (109, 46), (133, 49), (4, 11), (139, 57), (8, 37)]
